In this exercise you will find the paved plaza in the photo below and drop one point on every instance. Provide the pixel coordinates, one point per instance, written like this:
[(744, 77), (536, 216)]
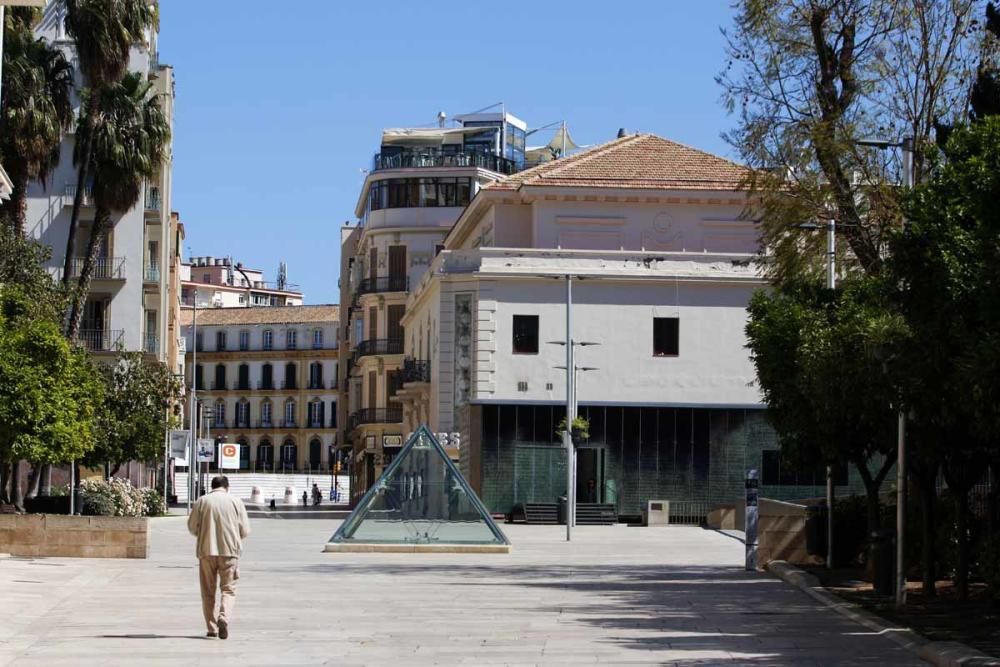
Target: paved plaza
[(617, 595)]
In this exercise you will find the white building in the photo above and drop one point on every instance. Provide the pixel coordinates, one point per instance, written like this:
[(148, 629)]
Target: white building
[(219, 282), (653, 234), (129, 304)]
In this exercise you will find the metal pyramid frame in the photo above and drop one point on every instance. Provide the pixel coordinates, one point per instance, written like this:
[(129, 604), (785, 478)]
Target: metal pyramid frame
[(421, 498)]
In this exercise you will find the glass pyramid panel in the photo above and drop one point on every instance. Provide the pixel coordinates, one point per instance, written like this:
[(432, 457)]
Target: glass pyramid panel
[(421, 498)]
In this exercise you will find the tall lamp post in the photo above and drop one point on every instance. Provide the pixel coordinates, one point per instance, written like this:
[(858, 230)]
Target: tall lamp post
[(193, 419)]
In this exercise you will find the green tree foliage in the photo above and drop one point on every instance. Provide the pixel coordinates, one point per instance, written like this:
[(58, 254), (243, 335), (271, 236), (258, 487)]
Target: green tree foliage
[(49, 391), (127, 146), (133, 418), (37, 109), (822, 358)]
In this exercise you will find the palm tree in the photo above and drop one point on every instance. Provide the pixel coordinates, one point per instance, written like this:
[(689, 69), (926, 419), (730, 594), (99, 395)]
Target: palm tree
[(104, 32), (37, 109), (127, 144)]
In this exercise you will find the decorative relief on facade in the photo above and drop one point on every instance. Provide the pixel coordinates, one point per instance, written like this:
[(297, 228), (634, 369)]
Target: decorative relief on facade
[(463, 348), (663, 235)]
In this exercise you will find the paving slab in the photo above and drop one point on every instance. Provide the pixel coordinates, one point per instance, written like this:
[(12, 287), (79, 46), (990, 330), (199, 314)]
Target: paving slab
[(615, 595)]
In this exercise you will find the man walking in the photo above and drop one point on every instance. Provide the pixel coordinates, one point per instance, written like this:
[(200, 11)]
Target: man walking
[(220, 523)]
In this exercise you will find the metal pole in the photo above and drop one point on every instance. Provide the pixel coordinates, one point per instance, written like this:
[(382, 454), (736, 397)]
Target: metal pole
[(831, 282), (193, 418), (72, 475), (901, 434), (567, 434), (166, 451)]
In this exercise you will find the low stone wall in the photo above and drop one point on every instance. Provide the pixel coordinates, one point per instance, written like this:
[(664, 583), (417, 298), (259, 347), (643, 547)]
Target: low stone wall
[(781, 533), (74, 536)]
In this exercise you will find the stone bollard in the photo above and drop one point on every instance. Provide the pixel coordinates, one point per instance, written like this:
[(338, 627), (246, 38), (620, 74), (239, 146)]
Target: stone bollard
[(289, 496), (256, 497)]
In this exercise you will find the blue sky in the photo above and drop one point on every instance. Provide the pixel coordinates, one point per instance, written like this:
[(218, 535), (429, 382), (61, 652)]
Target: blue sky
[(280, 104)]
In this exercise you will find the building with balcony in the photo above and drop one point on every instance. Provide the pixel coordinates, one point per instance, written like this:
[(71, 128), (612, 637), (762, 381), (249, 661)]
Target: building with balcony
[(219, 282), (420, 181), (654, 236), (268, 378), (129, 306)]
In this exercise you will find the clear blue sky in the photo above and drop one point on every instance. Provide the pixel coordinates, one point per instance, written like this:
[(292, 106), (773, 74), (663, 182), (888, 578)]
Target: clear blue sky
[(280, 105)]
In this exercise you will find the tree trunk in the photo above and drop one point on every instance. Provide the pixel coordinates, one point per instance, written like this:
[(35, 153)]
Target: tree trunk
[(81, 186), (115, 469), (101, 221), (871, 496), (47, 479), (34, 481), (928, 502), (962, 573), (4, 480), (16, 490)]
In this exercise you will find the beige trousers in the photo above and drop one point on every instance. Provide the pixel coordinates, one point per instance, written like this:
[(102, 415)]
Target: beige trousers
[(221, 571)]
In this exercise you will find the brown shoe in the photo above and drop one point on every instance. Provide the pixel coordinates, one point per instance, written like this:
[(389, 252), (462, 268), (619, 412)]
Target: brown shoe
[(223, 629), (211, 634)]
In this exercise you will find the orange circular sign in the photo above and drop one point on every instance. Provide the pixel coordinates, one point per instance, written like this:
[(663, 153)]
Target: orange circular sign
[(229, 450)]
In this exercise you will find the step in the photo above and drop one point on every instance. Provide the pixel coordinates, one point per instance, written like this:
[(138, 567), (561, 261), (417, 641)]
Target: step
[(596, 514)]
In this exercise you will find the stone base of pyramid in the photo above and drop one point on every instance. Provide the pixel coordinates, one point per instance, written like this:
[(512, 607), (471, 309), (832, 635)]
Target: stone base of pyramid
[(372, 548)]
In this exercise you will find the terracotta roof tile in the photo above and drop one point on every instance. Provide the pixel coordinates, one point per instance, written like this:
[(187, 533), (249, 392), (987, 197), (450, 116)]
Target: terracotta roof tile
[(639, 162), (263, 315)]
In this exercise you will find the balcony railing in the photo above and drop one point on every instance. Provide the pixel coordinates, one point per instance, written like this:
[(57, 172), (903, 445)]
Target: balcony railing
[(383, 284), (241, 423), (265, 385), (265, 423), (288, 423), (416, 371), (218, 386), (101, 340), (104, 268), (151, 274), (151, 343), (424, 158), (289, 385), (218, 423), (378, 346), (153, 198), (69, 193), (317, 385), (376, 416)]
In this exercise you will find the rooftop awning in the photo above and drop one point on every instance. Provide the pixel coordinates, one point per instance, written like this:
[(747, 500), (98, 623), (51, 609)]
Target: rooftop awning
[(430, 135)]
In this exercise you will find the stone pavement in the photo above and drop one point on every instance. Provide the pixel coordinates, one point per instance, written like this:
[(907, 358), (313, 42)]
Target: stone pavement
[(617, 595)]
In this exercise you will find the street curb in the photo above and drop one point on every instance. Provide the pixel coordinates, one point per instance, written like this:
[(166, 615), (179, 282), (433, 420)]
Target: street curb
[(2, 556), (941, 653)]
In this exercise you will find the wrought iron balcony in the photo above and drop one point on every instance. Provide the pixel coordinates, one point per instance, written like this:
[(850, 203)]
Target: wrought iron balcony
[(218, 386), (288, 423), (376, 416), (416, 371), (151, 274), (265, 423), (153, 198), (151, 343), (289, 385), (104, 268), (432, 157), (383, 284), (69, 193), (378, 346), (102, 340)]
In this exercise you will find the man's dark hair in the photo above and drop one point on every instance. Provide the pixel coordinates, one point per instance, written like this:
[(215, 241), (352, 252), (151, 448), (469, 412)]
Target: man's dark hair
[(220, 481)]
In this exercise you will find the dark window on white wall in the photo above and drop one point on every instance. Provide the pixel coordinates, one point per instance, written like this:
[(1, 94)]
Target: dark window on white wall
[(525, 334), (666, 336)]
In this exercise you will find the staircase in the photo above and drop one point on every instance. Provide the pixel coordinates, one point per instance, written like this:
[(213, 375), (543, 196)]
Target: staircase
[(271, 485), (596, 514), (541, 513)]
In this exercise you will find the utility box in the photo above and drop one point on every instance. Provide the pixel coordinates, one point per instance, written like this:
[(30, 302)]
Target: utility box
[(657, 513)]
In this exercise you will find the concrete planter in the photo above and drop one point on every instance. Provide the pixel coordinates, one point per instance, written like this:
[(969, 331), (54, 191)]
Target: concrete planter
[(74, 536)]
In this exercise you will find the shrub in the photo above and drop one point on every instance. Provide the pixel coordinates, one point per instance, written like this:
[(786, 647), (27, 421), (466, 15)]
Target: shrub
[(117, 497), (152, 503)]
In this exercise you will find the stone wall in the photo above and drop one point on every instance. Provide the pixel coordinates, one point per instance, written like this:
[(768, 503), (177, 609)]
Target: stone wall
[(781, 533), (74, 536)]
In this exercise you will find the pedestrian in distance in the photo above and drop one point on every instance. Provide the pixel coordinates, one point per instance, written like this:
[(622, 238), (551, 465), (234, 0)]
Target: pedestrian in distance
[(317, 495), (220, 523), (305, 499)]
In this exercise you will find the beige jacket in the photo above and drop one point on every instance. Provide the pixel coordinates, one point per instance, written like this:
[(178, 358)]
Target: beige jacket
[(220, 523)]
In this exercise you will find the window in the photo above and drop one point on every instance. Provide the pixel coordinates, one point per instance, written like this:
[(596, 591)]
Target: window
[(266, 377), (265, 414), (316, 375), (265, 454), (526, 334), (220, 378), (289, 413), (220, 340), (242, 414), (419, 193), (289, 376), (317, 339), (316, 413), (243, 377), (199, 341), (268, 339), (315, 454), (244, 340), (199, 378), (220, 415), (666, 336), (778, 471), (333, 414), (438, 248), (291, 339)]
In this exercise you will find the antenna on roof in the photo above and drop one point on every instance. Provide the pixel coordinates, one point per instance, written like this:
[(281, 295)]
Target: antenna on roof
[(442, 117), (282, 275)]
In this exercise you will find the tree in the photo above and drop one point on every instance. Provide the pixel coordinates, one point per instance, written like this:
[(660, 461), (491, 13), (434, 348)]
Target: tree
[(37, 108), (809, 78), (821, 361), (104, 32), (49, 391), (133, 418), (127, 146)]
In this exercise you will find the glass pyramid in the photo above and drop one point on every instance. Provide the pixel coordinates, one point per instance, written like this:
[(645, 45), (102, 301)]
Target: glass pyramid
[(421, 498)]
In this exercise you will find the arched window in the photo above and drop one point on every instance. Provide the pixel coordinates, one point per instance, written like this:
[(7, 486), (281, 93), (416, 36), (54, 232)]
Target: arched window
[(315, 375), (289, 413), (243, 414), (220, 378), (265, 455), (265, 414), (244, 453), (289, 376), (316, 413), (291, 339), (220, 414), (243, 381), (317, 339), (267, 339), (315, 450), (266, 377), (289, 455)]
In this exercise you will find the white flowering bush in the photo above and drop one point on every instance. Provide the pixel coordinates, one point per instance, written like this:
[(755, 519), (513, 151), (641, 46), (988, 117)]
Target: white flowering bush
[(117, 497)]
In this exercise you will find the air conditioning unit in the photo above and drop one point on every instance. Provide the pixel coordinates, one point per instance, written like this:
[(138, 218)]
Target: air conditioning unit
[(657, 513)]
